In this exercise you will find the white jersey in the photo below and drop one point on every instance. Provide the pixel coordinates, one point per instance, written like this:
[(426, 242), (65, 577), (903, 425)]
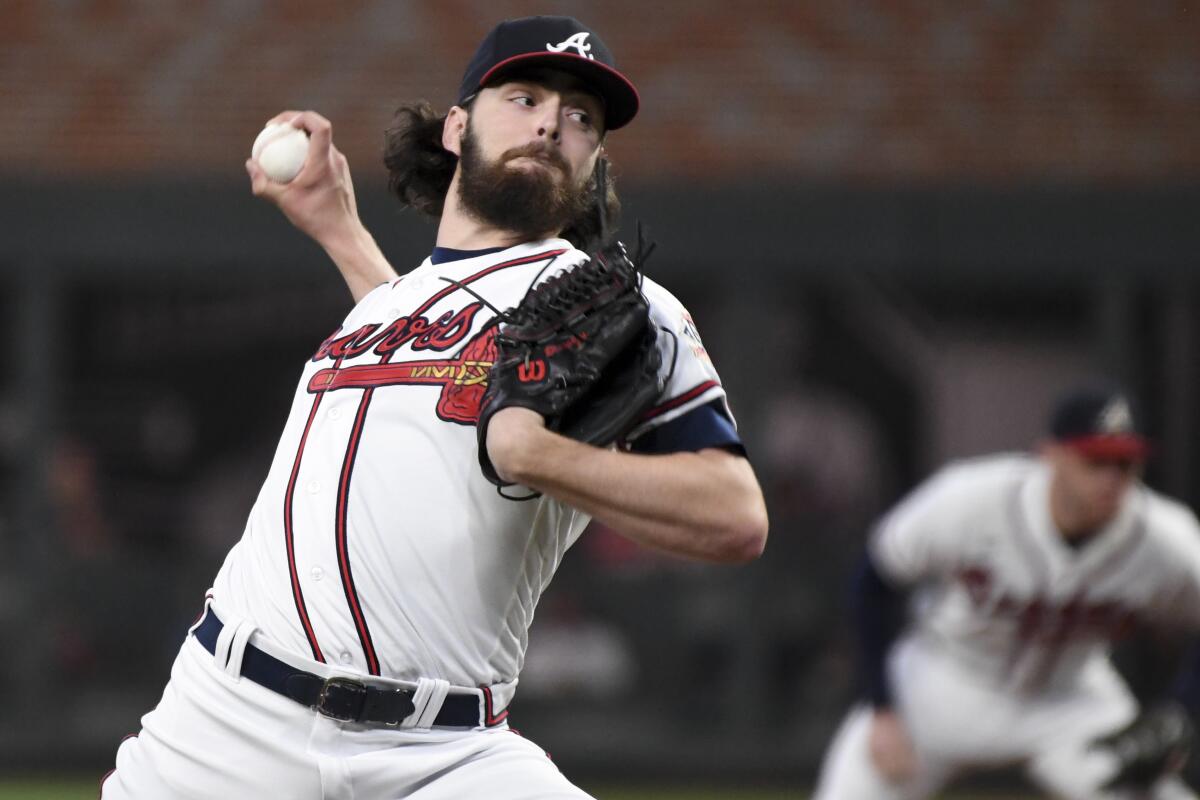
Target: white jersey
[(375, 544), (1007, 597)]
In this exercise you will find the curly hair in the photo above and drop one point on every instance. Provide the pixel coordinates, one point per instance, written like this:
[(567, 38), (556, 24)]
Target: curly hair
[(420, 170)]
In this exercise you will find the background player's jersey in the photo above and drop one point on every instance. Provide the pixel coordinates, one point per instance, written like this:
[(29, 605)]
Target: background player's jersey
[(376, 544), (1005, 594)]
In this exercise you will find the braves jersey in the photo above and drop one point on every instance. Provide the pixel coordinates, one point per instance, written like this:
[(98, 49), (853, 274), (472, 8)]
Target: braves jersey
[(1005, 595), (376, 544)]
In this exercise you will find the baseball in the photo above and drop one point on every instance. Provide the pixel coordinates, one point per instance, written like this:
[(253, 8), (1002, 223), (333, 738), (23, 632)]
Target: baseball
[(280, 150)]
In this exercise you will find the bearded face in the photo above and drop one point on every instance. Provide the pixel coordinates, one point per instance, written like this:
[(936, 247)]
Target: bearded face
[(527, 190)]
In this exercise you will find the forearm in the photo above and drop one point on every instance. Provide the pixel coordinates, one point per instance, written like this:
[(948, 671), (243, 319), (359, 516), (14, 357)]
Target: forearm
[(357, 256), (704, 505)]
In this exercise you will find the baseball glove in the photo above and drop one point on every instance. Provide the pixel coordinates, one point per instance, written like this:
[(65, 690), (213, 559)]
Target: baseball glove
[(1154, 745), (580, 350)]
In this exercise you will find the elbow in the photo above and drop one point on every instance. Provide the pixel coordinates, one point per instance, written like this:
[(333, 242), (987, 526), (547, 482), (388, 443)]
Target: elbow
[(742, 536), (744, 539)]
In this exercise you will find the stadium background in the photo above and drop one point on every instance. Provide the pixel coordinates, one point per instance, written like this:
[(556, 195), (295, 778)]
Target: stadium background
[(902, 227)]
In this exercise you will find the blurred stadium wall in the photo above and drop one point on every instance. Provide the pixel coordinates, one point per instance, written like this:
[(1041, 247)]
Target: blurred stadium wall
[(901, 227)]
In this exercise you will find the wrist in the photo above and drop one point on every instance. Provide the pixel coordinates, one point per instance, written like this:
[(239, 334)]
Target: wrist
[(514, 438)]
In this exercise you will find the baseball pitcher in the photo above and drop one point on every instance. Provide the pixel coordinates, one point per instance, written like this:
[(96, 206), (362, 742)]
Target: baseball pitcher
[(445, 447)]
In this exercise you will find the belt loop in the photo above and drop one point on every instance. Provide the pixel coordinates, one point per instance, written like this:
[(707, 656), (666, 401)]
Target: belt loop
[(231, 646), (243, 630), (221, 648), (427, 702)]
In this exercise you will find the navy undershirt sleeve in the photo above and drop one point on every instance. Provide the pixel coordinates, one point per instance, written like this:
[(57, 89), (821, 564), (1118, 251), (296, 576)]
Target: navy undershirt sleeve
[(879, 611), (1187, 684), (700, 428)]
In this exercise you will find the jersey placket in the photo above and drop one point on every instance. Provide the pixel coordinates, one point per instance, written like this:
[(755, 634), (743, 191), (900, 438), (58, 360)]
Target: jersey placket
[(342, 536)]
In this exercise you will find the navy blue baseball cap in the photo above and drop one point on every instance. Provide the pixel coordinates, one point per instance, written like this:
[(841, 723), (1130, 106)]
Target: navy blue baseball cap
[(561, 43), (1098, 421)]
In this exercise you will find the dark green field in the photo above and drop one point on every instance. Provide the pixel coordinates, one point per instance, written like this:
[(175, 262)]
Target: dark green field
[(86, 789)]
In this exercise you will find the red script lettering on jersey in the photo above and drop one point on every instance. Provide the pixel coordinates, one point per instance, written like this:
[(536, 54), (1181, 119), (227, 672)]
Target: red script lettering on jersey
[(1042, 619), (441, 334)]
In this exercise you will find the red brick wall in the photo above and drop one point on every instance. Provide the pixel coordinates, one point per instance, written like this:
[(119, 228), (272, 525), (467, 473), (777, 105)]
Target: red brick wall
[(876, 90)]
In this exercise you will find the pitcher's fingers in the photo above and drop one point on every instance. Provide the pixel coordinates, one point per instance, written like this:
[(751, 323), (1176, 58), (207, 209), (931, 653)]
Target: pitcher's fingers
[(260, 184), (320, 130)]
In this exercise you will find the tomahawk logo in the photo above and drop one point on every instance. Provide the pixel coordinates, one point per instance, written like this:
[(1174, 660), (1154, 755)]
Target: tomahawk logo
[(463, 378), (578, 41), (1116, 417)]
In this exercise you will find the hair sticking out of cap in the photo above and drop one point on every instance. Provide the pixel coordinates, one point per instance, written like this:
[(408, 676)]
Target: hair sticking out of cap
[(601, 176)]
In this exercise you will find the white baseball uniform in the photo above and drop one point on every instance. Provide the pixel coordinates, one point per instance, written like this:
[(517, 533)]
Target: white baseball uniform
[(378, 552), (1006, 659)]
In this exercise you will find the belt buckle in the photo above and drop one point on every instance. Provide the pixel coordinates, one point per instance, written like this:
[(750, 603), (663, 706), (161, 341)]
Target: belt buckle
[(341, 699)]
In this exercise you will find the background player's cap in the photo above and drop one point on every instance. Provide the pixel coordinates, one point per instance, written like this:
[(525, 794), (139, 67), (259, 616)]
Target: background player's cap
[(1098, 422), (562, 43)]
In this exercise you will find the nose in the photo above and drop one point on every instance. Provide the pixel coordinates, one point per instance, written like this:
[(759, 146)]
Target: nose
[(548, 120)]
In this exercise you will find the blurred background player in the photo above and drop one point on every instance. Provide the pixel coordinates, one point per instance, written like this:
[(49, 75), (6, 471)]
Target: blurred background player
[(1026, 570), (365, 636)]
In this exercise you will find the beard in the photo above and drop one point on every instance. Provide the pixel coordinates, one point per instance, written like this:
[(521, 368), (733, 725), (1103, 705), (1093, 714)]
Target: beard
[(530, 203)]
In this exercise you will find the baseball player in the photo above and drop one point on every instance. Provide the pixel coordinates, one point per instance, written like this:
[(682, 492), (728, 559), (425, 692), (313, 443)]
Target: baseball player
[(364, 637), (1026, 569)]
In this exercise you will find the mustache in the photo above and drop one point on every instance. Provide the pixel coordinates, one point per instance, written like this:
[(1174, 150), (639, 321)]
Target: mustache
[(535, 150)]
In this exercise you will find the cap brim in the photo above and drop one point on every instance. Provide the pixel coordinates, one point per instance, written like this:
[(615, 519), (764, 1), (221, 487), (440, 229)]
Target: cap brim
[(621, 99), (1131, 447)]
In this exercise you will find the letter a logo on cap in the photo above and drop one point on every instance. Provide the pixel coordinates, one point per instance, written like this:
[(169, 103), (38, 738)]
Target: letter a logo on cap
[(1115, 417), (578, 41)]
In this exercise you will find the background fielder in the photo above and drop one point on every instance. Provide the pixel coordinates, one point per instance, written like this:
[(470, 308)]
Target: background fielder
[(365, 636), (1028, 568)]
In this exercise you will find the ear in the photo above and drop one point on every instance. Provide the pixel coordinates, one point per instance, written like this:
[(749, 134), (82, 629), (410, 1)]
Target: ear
[(453, 130)]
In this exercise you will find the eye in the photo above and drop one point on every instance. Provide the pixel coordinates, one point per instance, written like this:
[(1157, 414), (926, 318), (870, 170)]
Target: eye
[(524, 100), (582, 117)]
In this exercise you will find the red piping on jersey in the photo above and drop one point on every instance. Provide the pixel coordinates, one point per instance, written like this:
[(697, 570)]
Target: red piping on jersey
[(676, 402), (341, 527), (490, 718), (289, 535), (503, 265)]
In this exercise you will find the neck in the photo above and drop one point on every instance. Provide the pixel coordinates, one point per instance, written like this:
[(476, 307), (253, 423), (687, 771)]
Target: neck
[(1070, 524), (461, 230)]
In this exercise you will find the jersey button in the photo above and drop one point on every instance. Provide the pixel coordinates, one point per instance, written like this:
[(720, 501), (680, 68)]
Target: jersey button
[(314, 487), (345, 658), (335, 413), (317, 573)]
